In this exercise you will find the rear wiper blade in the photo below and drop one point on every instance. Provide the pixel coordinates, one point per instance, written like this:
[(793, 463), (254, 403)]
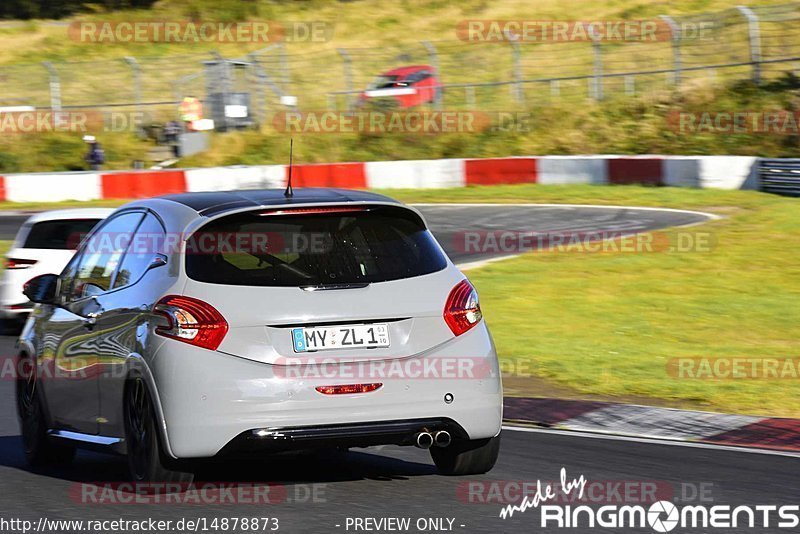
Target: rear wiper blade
[(327, 287)]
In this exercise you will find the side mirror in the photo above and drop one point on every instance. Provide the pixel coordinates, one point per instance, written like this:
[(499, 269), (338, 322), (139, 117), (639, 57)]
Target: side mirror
[(41, 289)]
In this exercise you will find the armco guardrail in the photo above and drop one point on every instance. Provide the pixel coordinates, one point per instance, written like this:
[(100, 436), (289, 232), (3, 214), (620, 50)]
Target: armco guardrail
[(780, 176), (721, 172)]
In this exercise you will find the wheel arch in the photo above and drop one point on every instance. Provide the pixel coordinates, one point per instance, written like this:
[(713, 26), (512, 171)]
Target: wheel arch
[(138, 368)]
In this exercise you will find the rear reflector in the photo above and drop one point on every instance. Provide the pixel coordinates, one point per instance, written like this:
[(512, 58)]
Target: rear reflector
[(311, 211), (348, 389), (15, 263), (192, 321)]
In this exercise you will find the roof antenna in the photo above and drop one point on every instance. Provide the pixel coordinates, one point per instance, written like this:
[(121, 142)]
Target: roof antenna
[(289, 193)]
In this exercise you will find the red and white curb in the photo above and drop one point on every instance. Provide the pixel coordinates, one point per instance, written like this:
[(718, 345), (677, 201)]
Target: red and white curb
[(723, 172), (648, 422)]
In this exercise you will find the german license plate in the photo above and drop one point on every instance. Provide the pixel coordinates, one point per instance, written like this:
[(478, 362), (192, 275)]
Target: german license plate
[(356, 336)]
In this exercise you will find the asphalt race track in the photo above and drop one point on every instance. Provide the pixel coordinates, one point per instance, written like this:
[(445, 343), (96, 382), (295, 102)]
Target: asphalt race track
[(450, 223), (321, 493), (453, 224)]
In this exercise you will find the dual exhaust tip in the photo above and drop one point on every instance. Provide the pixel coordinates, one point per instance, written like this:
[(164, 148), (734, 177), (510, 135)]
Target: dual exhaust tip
[(426, 440)]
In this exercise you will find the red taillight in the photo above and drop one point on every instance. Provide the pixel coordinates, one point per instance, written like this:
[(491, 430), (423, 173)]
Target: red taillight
[(348, 389), (15, 263), (462, 310), (191, 321), (310, 211)]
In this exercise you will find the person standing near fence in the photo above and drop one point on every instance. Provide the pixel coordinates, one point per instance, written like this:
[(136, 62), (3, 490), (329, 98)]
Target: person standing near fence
[(95, 156)]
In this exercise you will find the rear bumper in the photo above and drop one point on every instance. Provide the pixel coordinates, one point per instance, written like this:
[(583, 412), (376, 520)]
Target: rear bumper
[(344, 435), (15, 311), (13, 303), (210, 399)]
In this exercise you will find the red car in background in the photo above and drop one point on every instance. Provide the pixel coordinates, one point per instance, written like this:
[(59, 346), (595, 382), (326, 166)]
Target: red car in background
[(406, 86)]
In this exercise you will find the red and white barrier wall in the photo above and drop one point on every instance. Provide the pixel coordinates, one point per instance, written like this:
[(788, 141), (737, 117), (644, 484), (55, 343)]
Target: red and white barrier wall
[(722, 172)]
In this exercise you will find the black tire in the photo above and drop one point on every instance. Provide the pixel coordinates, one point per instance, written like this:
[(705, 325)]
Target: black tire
[(11, 327), (465, 457), (146, 459), (39, 449)]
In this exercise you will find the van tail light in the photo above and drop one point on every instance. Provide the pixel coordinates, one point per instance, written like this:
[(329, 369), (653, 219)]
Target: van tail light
[(16, 263), (192, 321), (462, 310), (348, 389)]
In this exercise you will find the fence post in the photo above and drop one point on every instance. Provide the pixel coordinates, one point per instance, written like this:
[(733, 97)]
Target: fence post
[(259, 93), (177, 90), (754, 38), (555, 88), (222, 77), (347, 65), (597, 85), (433, 57), (519, 96), (630, 85), (284, 59), (469, 95), (55, 86), (137, 81), (677, 64)]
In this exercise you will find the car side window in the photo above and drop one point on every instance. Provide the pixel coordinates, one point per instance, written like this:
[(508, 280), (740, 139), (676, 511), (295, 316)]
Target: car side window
[(97, 260), (147, 242)]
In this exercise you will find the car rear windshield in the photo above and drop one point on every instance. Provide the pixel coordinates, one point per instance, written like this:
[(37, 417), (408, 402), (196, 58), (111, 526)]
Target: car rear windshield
[(384, 82), (61, 234), (284, 248)]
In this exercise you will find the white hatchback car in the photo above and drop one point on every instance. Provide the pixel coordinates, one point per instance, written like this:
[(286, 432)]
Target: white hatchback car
[(213, 324), (44, 244)]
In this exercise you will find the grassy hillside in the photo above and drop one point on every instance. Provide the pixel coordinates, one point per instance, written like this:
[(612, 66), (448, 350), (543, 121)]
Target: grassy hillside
[(615, 126), (388, 33), (357, 22)]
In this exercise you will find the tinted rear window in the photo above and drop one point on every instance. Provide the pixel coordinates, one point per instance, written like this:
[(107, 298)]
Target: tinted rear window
[(375, 245), (63, 234)]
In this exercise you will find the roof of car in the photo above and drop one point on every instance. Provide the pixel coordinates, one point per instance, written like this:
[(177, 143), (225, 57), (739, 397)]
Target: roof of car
[(215, 202), (405, 71), (78, 213)]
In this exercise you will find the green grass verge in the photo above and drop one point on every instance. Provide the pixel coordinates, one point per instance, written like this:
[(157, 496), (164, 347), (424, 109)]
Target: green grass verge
[(605, 325)]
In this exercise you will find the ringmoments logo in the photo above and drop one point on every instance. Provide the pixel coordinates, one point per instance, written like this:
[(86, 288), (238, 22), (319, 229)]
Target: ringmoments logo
[(661, 516)]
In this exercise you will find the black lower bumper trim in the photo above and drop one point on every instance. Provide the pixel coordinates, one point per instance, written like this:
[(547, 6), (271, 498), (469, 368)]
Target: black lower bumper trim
[(276, 439)]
